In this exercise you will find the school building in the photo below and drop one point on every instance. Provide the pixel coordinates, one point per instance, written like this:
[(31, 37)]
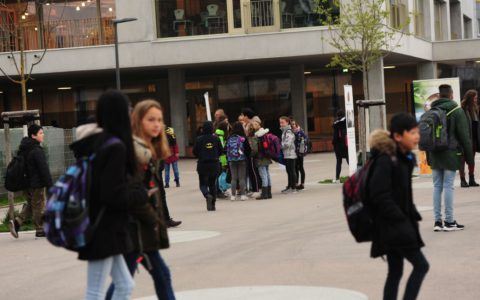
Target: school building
[(269, 55)]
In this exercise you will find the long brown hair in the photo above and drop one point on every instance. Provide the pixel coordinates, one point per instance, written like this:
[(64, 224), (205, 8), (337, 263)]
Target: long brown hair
[(469, 104), (158, 146)]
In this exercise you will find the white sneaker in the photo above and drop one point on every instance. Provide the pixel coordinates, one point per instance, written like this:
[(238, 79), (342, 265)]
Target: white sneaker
[(334, 181), (233, 198), (243, 198), (254, 195)]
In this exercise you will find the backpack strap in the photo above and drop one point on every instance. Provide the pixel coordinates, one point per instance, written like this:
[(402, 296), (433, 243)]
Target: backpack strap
[(453, 110)]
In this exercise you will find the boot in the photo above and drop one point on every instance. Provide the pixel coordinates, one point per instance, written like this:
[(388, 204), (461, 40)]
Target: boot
[(166, 185), (463, 183), (209, 202), (269, 192), (214, 200), (472, 182), (264, 194), (172, 223), (177, 181)]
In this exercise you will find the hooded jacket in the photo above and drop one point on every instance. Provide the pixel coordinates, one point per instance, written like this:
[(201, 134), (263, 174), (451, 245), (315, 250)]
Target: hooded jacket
[(208, 149), (458, 129), (257, 148), (390, 197), (339, 140), (38, 173), (288, 143), (223, 158), (108, 190)]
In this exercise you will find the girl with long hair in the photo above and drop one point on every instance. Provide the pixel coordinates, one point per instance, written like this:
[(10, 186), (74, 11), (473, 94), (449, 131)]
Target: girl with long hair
[(111, 143), (470, 107), (301, 145), (238, 150)]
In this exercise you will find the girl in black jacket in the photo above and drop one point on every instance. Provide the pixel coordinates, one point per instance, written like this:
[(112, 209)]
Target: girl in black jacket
[(109, 200), (339, 141), (395, 217)]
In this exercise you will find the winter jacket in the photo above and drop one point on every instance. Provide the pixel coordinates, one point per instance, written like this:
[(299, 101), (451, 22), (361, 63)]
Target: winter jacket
[(223, 158), (339, 140), (108, 191), (288, 143), (299, 136), (149, 232), (208, 149), (38, 173), (470, 121), (458, 130), (390, 197), (257, 148)]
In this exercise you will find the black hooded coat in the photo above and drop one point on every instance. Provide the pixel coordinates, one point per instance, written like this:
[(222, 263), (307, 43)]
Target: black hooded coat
[(208, 149)]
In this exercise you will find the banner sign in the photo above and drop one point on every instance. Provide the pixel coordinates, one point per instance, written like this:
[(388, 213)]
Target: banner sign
[(350, 119)]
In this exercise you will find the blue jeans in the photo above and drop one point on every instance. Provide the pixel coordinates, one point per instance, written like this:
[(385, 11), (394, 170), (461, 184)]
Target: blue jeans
[(443, 182), (159, 272), (265, 175), (99, 270), (175, 172)]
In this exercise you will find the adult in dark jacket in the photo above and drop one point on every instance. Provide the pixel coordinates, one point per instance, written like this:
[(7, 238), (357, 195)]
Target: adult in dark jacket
[(109, 195), (470, 107), (208, 149), (39, 178), (395, 217), (339, 141), (445, 164)]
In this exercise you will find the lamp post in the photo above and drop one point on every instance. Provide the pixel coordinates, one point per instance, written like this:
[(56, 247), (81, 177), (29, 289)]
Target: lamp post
[(117, 66)]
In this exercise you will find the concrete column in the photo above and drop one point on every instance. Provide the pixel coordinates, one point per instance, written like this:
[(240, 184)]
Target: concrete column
[(376, 89), (299, 101), (427, 70), (178, 107)]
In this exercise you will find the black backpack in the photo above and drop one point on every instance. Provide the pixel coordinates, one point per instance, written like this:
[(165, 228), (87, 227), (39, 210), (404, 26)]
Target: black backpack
[(433, 127), (16, 176), (355, 197)]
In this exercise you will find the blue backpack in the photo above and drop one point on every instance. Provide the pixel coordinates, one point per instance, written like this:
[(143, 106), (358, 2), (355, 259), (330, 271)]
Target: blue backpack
[(66, 217), (235, 148)]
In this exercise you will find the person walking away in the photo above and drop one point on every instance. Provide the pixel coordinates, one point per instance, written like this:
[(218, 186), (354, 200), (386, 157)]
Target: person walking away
[(262, 160), (339, 142), (470, 107), (445, 163), (148, 229), (172, 160), (109, 197), (289, 154), (222, 133), (390, 197), (301, 147), (238, 150), (253, 176), (38, 178), (208, 149)]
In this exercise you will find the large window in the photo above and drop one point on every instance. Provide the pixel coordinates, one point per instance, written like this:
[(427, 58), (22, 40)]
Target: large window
[(398, 14), (187, 17), (419, 18), (306, 13), (56, 24)]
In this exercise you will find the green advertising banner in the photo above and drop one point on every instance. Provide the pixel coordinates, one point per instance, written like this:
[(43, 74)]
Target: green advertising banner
[(426, 91)]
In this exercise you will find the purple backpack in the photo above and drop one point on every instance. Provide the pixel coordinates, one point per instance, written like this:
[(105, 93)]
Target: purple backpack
[(66, 216), (272, 147)]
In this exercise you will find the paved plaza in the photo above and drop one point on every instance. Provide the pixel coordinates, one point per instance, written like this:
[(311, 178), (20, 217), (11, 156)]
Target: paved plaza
[(291, 247)]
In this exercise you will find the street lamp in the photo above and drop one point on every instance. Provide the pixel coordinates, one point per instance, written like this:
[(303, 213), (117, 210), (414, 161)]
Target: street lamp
[(117, 67)]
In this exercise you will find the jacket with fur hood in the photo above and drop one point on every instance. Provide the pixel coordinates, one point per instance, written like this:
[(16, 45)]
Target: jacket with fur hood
[(390, 197), (257, 148)]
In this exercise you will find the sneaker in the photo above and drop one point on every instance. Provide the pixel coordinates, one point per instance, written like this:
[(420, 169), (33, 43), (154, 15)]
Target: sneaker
[(294, 191), (286, 191), (233, 198), (14, 228), (438, 226), (40, 234), (255, 195), (243, 198), (454, 226), (173, 223)]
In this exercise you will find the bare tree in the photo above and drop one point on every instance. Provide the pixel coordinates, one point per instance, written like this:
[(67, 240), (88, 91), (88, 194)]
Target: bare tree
[(13, 25)]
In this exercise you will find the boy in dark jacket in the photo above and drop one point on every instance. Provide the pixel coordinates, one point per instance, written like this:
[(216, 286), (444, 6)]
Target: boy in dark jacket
[(39, 178), (395, 217), (208, 149)]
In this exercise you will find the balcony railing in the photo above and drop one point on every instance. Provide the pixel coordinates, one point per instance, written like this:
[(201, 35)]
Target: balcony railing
[(58, 34), (262, 13)]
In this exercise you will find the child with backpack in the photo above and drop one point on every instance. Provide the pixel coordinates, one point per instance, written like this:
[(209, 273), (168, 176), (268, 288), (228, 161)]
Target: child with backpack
[(259, 146), (289, 154), (222, 133), (238, 150), (172, 160), (390, 201), (301, 145)]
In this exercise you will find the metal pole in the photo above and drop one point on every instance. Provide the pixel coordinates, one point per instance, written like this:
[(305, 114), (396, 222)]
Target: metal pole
[(117, 67)]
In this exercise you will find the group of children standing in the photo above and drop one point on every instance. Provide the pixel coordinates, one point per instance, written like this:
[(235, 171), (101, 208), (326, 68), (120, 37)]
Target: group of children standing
[(240, 155)]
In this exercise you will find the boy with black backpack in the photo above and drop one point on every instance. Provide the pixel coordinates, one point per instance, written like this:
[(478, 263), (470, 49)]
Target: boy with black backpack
[(395, 231), (38, 178)]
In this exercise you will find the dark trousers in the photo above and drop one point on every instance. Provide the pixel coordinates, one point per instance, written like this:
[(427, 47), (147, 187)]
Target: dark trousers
[(300, 171), (291, 172), (395, 272), (208, 184), (253, 175), (159, 271), (34, 208), (339, 165), (471, 168)]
